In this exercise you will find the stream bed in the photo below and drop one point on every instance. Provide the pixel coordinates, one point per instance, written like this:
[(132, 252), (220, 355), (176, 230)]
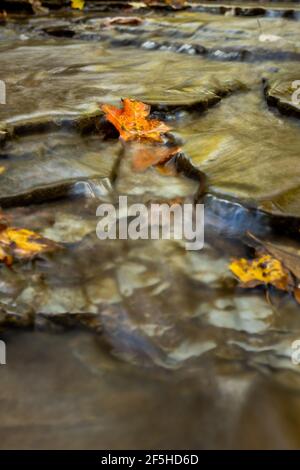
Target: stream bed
[(142, 344)]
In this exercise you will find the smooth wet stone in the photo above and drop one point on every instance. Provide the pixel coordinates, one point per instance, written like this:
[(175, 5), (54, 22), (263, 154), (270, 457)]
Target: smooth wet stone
[(239, 37), (248, 153), (219, 211), (70, 79), (196, 32), (247, 8), (193, 32), (283, 92), (51, 166)]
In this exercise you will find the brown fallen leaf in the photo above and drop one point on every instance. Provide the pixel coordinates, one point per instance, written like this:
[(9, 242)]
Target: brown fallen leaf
[(23, 244), (133, 123), (289, 256), (146, 155), (130, 20), (264, 269)]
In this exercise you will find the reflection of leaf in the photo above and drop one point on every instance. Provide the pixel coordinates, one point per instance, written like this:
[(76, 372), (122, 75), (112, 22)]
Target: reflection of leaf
[(145, 155), (167, 170), (22, 243), (261, 270), (133, 123), (77, 4)]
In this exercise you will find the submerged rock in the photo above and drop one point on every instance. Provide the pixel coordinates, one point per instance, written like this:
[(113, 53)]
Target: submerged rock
[(283, 92), (248, 153), (52, 167)]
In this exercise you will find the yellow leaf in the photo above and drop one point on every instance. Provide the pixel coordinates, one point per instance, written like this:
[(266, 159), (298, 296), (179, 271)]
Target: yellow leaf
[(2, 169), (262, 270), (77, 4), (133, 123), (22, 243)]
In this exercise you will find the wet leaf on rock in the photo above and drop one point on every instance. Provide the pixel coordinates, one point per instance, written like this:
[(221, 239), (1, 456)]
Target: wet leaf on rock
[(22, 243), (77, 4), (133, 123), (264, 269), (289, 256)]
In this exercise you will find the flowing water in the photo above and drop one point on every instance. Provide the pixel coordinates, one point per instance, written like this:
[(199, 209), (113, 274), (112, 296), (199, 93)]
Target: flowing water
[(139, 343)]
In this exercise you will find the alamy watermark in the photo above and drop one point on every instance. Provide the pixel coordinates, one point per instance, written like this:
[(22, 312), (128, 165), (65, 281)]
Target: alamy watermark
[(295, 356), (2, 353), (296, 93), (154, 221), (2, 92)]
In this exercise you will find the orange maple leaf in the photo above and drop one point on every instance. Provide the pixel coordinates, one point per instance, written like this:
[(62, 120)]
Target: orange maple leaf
[(133, 123)]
